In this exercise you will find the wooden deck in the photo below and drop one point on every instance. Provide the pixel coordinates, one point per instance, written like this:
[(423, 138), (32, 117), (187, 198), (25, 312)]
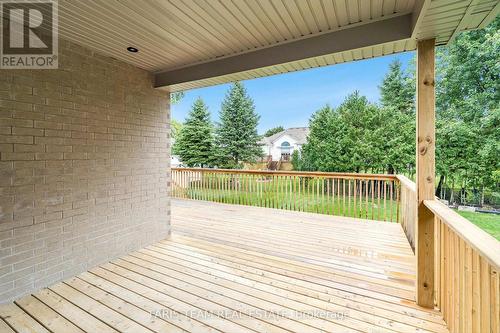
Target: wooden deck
[(264, 270)]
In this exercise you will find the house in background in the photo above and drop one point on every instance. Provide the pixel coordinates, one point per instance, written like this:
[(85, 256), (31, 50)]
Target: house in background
[(280, 146), (175, 161)]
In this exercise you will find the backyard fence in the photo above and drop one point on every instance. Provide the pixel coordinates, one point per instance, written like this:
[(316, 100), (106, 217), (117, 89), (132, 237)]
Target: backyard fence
[(366, 196)]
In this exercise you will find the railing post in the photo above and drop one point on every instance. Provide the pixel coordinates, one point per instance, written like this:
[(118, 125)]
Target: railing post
[(425, 147)]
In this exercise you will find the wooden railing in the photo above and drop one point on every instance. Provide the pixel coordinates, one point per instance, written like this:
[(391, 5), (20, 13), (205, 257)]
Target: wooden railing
[(408, 207), (367, 196), (466, 259), (466, 272)]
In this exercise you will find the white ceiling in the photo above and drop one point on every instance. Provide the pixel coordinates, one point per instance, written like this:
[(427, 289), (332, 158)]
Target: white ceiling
[(173, 34)]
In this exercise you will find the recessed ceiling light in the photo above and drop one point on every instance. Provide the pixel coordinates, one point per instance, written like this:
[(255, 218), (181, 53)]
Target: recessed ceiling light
[(132, 49)]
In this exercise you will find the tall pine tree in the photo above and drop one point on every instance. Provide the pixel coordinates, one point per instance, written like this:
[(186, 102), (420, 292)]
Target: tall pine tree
[(397, 96), (195, 142), (397, 90), (237, 136)]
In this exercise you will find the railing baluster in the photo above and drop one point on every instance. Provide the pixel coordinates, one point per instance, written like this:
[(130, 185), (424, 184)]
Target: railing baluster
[(391, 200), (338, 197), (385, 200), (322, 180), (374, 206), (287, 197), (349, 199), (294, 193), (353, 195), (398, 210), (354, 214)]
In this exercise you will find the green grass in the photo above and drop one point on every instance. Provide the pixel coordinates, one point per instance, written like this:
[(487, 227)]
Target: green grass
[(314, 196), (488, 222)]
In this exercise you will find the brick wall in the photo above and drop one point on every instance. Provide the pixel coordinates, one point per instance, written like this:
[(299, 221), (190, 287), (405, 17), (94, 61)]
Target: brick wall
[(84, 167)]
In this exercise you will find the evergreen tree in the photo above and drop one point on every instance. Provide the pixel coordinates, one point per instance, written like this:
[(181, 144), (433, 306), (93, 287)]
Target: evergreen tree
[(346, 139), (324, 142), (175, 128), (273, 131), (237, 136), (397, 96), (468, 112), (398, 89), (195, 142), (296, 160)]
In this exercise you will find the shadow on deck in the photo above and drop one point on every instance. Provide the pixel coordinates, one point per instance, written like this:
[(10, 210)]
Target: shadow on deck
[(261, 269)]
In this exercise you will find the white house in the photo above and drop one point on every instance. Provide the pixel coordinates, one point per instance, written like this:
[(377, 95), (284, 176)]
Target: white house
[(281, 145), (175, 161)]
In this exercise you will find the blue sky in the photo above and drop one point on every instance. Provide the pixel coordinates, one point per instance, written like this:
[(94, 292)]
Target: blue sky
[(290, 99)]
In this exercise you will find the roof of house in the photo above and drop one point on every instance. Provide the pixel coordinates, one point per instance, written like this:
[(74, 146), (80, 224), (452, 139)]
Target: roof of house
[(299, 134)]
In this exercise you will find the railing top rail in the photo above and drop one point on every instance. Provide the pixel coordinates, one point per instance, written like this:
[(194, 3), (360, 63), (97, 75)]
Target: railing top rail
[(295, 173), (485, 244), (407, 182)]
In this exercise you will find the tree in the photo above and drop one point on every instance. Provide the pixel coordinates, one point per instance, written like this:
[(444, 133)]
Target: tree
[(467, 111), (318, 154), (346, 139), (398, 89), (397, 96), (359, 136), (296, 160), (273, 131), (195, 142), (176, 97), (236, 134), (175, 128)]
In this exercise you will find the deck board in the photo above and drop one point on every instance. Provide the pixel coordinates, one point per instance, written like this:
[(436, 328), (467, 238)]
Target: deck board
[(229, 268)]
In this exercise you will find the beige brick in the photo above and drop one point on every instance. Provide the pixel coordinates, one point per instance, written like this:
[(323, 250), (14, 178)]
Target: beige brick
[(16, 257), (16, 139), (58, 149), (48, 125), (16, 122), (48, 217), (20, 148), (49, 141), (16, 105), (5, 130), (27, 131), (49, 156), (57, 133), (75, 156), (83, 167), (6, 147), (17, 156), (28, 115)]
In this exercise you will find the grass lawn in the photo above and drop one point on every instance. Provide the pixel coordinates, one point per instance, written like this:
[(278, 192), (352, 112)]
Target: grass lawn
[(488, 222), (308, 195), (327, 204)]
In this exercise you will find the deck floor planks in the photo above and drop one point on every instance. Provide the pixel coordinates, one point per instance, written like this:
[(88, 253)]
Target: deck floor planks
[(247, 260), (271, 280), (274, 292), (19, 321), (290, 268), (5, 328), (46, 316), (127, 309)]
